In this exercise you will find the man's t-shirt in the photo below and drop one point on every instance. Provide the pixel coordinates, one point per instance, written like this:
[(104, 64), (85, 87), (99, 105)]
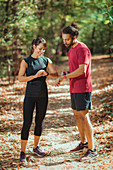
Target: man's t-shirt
[(78, 55)]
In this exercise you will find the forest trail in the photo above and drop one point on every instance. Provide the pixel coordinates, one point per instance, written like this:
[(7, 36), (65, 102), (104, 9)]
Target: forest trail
[(60, 133)]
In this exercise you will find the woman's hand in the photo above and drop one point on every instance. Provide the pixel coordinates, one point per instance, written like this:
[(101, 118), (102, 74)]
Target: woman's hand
[(41, 73)]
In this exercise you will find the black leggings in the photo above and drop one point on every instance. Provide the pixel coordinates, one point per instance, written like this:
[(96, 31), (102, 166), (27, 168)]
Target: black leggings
[(28, 108)]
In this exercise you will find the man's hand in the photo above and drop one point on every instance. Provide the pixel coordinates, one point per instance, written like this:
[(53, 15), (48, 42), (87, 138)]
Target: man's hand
[(58, 81), (64, 73)]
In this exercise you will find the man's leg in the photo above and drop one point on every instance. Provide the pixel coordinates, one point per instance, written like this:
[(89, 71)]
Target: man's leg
[(80, 126), (91, 152), (85, 120)]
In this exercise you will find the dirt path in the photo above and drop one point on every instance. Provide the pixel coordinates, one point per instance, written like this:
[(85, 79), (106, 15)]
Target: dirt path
[(60, 133)]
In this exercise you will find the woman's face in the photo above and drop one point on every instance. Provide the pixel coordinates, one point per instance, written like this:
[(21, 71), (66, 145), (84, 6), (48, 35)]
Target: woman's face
[(39, 49)]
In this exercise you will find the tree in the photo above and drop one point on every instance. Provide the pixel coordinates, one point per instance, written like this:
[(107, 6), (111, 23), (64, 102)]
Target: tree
[(21, 21)]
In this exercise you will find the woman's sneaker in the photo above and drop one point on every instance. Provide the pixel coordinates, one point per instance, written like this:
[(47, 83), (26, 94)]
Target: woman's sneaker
[(89, 155), (38, 152), (22, 157), (80, 147)]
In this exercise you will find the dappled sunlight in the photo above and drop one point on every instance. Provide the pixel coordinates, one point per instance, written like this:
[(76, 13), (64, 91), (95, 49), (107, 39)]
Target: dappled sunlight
[(60, 133), (108, 88), (61, 95), (60, 111)]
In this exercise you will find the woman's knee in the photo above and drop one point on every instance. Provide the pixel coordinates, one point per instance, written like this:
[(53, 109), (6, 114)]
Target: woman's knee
[(38, 129), (25, 131), (27, 125)]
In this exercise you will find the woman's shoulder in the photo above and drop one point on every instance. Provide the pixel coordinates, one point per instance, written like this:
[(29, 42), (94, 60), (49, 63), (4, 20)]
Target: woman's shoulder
[(27, 59), (45, 58)]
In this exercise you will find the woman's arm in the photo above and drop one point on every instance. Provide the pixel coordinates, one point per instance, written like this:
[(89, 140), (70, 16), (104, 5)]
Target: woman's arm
[(52, 71), (23, 78), (21, 74)]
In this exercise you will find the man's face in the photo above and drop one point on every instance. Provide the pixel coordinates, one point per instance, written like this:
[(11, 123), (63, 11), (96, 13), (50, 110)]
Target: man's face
[(68, 41)]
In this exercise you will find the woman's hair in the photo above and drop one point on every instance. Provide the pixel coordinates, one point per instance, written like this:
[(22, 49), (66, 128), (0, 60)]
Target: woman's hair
[(72, 29), (36, 42)]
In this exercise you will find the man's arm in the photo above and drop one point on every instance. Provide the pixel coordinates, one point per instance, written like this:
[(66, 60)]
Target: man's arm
[(78, 72)]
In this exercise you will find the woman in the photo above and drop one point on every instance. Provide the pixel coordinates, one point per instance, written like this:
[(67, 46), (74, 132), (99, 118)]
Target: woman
[(33, 71)]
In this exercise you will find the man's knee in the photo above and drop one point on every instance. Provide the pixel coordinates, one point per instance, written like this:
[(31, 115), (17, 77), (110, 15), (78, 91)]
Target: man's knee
[(83, 113), (76, 114)]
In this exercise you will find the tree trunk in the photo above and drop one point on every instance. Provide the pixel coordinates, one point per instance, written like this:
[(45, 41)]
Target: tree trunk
[(15, 43), (92, 40), (9, 69), (6, 20), (62, 49), (109, 43), (102, 45), (6, 51)]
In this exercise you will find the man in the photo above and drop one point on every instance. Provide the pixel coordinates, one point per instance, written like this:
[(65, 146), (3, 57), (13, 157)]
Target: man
[(80, 88)]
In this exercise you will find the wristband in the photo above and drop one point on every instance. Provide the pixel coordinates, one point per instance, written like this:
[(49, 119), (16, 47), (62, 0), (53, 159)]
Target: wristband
[(64, 76), (64, 73), (47, 73)]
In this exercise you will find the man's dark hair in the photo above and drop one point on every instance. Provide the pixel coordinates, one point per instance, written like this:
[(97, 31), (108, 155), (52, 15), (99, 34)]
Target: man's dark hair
[(72, 29)]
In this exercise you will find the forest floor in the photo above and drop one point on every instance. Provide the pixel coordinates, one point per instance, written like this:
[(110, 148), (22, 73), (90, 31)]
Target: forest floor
[(60, 132)]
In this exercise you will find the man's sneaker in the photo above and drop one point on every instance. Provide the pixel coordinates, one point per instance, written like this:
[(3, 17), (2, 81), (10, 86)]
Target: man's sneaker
[(80, 147), (22, 157), (89, 155), (38, 152)]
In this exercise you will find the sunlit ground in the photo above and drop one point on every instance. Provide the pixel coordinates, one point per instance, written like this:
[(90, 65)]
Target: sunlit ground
[(60, 133)]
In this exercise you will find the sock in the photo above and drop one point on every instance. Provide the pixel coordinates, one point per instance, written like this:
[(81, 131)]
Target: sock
[(92, 150), (84, 143)]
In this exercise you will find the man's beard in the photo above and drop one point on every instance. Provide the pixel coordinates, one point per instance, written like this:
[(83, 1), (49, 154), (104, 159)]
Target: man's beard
[(70, 45)]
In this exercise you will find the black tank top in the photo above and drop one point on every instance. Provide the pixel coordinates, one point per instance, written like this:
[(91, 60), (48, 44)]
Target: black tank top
[(36, 87)]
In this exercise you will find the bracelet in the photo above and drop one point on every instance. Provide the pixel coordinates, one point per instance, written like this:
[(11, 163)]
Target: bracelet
[(64, 73), (47, 73), (64, 76)]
